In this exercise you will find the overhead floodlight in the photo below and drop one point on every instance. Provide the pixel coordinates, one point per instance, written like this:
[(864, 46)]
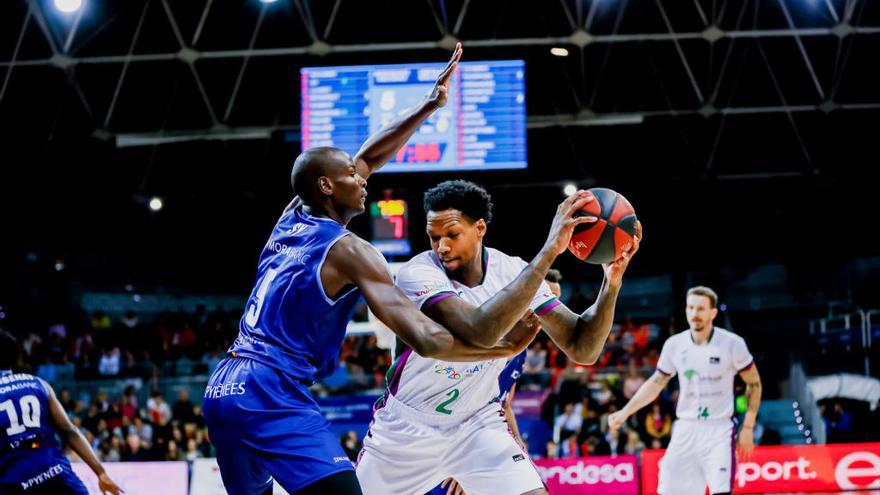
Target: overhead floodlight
[(559, 51), (68, 6), (569, 189), (156, 204), (268, 1)]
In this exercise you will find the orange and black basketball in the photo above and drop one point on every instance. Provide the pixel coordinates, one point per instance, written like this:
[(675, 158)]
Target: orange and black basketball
[(604, 240)]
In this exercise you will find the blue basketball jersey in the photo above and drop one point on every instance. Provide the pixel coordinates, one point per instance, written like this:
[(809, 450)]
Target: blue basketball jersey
[(30, 454), (290, 323), (512, 371)]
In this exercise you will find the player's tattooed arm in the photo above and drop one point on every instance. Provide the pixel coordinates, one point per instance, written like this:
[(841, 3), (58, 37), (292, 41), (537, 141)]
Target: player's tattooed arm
[(746, 440), (583, 336), (752, 378), (383, 145), (354, 261), (73, 438)]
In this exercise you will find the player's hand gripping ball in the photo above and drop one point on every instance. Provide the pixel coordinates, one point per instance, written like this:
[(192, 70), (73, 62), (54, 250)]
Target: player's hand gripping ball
[(605, 240)]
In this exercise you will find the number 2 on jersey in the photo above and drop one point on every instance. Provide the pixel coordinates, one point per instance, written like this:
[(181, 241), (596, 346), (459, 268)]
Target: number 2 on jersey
[(30, 414), (253, 313), (453, 395)]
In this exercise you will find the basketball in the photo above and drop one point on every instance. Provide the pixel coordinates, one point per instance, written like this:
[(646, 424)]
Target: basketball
[(604, 240)]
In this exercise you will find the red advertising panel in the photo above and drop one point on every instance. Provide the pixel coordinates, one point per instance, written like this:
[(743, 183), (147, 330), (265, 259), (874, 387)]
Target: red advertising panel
[(793, 468), (590, 475)]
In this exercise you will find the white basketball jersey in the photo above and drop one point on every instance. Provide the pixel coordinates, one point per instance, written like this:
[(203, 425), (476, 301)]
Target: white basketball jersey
[(705, 372), (461, 388)]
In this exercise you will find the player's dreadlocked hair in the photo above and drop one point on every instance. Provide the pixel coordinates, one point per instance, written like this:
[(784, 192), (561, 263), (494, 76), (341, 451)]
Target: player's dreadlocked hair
[(464, 196), (8, 350)]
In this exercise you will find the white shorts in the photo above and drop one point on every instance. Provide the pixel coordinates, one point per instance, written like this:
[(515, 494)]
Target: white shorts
[(700, 453), (408, 452)]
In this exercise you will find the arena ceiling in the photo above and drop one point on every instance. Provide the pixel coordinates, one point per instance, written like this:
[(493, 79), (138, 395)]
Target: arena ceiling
[(197, 101)]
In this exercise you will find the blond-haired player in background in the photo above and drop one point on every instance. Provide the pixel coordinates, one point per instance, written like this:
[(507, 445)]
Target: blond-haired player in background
[(706, 358)]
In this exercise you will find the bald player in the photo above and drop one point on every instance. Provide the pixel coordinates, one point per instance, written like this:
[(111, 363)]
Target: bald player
[(260, 415)]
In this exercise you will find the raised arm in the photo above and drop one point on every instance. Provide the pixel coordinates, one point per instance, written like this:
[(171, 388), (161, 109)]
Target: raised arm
[(483, 325), (582, 337), (383, 145), (359, 262), (643, 396), (77, 442)]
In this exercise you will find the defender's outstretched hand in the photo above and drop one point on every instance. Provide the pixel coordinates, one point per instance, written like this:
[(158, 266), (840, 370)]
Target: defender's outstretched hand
[(440, 93)]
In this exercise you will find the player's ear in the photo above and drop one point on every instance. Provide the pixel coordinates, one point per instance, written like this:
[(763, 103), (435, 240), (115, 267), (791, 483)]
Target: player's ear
[(714, 313), (481, 228), (325, 185)]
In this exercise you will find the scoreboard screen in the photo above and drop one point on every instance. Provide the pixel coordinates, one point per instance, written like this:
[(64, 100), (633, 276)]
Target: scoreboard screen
[(482, 126), (389, 221)]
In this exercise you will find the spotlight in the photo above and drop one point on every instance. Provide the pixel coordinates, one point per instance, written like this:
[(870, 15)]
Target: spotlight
[(59, 265), (68, 6), (156, 204), (559, 51), (268, 1), (795, 404), (569, 189)]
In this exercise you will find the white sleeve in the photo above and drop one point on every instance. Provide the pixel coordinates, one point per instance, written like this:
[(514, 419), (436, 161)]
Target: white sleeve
[(741, 357), (544, 300), (424, 284), (665, 364)]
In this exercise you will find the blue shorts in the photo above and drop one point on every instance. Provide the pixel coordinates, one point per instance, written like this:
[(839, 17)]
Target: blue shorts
[(55, 477), (264, 425)]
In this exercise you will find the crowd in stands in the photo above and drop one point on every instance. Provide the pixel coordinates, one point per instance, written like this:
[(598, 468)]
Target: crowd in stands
[(582, 397), (96, 346), (848, 420), (121, 429)]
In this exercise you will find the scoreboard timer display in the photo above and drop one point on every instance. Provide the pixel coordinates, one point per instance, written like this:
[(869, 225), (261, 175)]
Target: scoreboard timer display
[(482, 126), (389, 222)]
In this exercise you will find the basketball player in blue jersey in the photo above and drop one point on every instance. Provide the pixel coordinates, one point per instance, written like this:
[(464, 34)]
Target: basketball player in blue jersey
[(260, 415), (507, 385), (31, 459)]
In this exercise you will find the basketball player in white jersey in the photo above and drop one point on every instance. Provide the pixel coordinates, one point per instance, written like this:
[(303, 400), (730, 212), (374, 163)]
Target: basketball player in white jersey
[(706, 359), (441, 419)]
